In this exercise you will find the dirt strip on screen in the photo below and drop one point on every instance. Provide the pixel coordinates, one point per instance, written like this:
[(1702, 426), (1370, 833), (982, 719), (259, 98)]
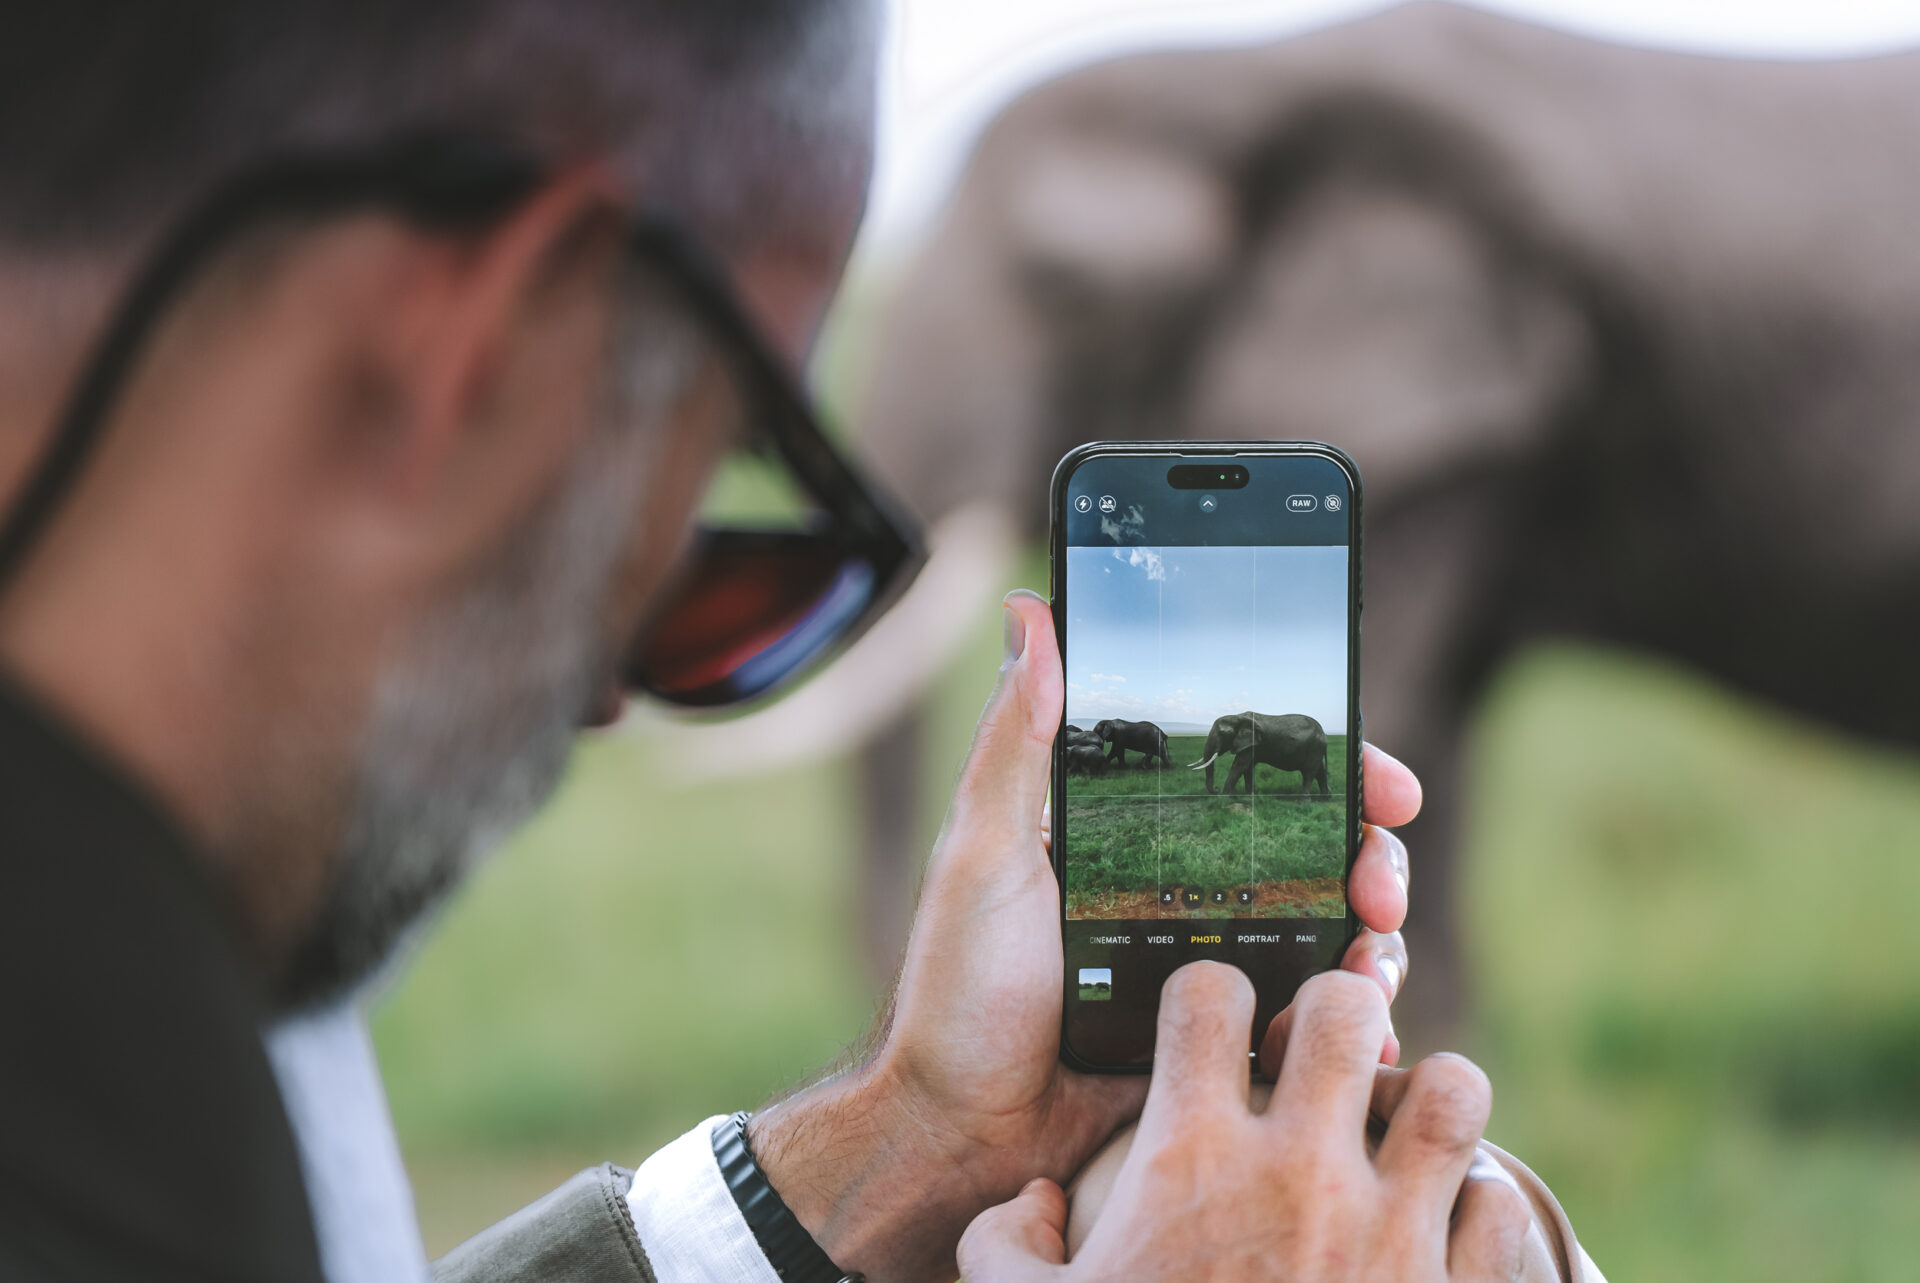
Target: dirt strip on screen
[(1308, 898)]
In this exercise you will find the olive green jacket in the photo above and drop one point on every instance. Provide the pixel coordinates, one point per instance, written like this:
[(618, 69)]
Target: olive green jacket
[(580, 1232)]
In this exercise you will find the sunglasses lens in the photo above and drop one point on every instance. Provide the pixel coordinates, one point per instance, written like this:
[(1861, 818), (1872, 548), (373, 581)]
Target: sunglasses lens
[(794, 555), (754, 609)]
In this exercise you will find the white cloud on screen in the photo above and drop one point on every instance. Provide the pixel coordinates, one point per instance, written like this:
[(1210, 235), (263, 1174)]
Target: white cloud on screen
[(1143, 558)]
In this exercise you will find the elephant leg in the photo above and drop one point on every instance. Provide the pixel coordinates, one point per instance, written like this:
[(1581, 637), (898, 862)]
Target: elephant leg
[(1242, 767), (890, 773)]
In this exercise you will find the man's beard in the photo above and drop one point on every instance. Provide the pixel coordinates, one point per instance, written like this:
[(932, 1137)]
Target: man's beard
[(473, 719)]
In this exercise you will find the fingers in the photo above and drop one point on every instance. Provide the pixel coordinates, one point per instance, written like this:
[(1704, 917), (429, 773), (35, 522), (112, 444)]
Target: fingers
[(1389, 1089), (1383, 960), (1443, 1108), (1490, 1223), (1021, 1241), (1380, 958), (1377, 890), (1392, 791), (1490, 1214), (1200, 1049), (1326, 1046), (1001, 796)]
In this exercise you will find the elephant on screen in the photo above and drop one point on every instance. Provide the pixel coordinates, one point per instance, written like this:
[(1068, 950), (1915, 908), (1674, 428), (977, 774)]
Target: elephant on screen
[(1285, 741), (1085, 759), (1143, 738), (1077, 738)]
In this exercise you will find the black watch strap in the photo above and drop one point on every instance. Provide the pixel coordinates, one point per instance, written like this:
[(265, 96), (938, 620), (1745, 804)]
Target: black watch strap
[(795, 1257)]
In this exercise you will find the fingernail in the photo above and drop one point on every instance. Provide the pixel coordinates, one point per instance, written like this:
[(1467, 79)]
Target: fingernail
[(1391, 973), (1485, 1167), (1016, 637), (1397, 857), (1016, 625)]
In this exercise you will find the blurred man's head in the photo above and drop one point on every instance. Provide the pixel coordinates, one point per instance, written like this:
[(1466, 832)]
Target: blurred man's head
[(381, 508)]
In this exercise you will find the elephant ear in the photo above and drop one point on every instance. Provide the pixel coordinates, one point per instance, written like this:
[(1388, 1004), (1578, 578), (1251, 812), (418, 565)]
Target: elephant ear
[(1240, 736)]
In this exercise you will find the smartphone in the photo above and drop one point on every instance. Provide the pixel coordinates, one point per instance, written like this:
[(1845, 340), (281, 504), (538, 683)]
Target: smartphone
[(1206, 778)]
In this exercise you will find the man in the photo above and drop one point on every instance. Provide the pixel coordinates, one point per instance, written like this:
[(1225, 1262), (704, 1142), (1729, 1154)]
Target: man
[(365, 488)]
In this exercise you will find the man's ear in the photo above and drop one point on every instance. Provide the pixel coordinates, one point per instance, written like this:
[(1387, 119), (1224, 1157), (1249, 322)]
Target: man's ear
[(511, 316)]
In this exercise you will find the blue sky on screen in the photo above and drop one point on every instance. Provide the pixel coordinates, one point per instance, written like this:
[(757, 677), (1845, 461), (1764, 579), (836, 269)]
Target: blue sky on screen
[(1178, 636)]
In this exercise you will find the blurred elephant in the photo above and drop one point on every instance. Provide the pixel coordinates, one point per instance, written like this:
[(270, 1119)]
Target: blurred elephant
[(1143, 738), (1286, 742), (1626, 343), (1077, 738)]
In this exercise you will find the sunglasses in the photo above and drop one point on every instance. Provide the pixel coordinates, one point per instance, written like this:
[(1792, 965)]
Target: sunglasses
[(796, 553)]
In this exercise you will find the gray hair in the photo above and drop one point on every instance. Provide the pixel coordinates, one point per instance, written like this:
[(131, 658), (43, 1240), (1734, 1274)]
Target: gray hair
[(748, 116)]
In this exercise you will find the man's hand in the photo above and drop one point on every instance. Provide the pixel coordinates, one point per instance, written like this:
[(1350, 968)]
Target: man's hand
[(965, 1099), (1213, 1190)]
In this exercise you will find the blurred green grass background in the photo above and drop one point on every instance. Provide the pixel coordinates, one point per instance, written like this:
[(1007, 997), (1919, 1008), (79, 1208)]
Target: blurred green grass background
[(1696, 968)]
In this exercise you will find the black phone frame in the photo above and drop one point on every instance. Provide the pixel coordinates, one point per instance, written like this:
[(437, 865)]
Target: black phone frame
[(1057, 600)]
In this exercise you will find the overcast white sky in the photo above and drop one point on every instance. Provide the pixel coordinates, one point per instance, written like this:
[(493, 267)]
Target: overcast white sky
[(950, 64)]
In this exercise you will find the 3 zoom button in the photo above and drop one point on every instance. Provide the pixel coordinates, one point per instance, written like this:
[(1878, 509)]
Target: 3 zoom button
[(1302, 502)]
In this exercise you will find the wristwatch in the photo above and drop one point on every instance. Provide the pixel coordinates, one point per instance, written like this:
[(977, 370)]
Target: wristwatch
[(795, 1257)]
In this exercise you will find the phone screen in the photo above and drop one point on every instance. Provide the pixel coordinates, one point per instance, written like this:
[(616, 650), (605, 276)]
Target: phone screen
[(1206, 781)]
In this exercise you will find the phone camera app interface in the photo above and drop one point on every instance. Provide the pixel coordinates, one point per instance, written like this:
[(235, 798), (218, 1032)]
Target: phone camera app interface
[(1207, 731), (1205, 799)]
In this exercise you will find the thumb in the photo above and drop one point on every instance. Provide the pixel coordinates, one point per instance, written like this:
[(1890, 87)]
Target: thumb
[(1002, 789), (1019, 1242)]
